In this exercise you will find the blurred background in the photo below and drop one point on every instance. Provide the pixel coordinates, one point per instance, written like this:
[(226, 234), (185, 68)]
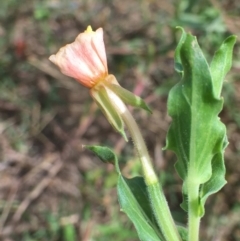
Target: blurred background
[(51, 189)]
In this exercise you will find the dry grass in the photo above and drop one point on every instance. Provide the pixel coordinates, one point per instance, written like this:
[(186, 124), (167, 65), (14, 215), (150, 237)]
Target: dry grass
[(45, 117)]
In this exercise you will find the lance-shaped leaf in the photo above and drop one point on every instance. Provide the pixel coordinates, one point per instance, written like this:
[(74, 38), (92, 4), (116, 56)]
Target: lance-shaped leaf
[(101, 97), (196, 134), (177, 58), (221, 63), (128, 97), (105, 154), (133, 198), (216, 182)]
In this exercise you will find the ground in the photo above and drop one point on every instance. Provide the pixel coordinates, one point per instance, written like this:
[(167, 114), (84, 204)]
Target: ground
[(52, 189)]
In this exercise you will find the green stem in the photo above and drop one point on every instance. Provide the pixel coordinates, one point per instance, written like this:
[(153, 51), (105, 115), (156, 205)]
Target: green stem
[(193, 205), (148, 171), (162, 212), (156, 195)]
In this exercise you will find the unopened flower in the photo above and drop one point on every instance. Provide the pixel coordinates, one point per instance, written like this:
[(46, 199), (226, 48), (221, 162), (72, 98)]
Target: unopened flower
[(84, 59)]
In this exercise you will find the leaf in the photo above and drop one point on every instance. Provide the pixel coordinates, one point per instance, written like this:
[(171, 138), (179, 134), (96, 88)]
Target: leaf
[(221, 63), (69, 232), (128, 97), (101, 98), (133, 199), (216, 182), (177, 58), (105, 154), (183, 233), (196, 134)]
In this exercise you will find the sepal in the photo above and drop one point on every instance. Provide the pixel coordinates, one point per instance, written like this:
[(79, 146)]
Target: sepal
[(128, 97), (100, 96)]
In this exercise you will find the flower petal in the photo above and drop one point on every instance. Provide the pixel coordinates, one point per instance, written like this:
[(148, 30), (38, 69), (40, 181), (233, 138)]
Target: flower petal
[(84, 59)]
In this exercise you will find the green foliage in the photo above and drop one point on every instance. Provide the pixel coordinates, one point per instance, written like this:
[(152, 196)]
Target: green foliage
[(196, 134), (104, 153), (221, 64), (69, 232), (7, 7), (41, 12), (133, 199), (117, 229), (128, 97), (183, 233)]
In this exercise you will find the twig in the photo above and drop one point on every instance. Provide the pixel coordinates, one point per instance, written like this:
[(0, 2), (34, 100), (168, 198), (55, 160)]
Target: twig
[(8, 206), (36, 192)]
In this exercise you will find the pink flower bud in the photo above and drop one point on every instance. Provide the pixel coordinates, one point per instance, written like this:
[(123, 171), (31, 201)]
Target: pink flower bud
[(84, 59)]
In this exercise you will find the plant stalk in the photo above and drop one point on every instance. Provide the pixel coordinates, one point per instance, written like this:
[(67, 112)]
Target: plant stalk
[(155, 192), (193, 205)]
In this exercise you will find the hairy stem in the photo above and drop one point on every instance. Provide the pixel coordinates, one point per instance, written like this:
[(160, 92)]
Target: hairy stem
[(155, 192)]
